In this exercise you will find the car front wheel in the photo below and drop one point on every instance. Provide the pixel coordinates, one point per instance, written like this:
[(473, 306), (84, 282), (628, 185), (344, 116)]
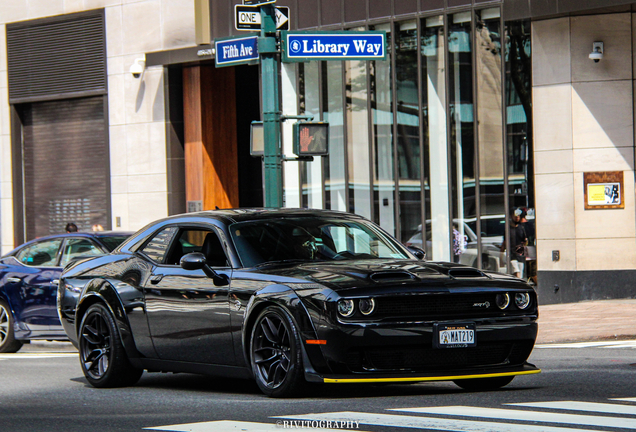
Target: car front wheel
[(8, 342), (275, 353), (102, 355), (484, 384)]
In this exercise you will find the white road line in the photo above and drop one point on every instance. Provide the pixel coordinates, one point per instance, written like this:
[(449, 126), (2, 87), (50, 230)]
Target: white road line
[(624, 399), (233, 426), (417, 422), (511, 414), (605, 408), (36, 356), (606, 344)]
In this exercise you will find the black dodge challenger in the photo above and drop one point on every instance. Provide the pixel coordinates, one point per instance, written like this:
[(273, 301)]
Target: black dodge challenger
[(290, 296)]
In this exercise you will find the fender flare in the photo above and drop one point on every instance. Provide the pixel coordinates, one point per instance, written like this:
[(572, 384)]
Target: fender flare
[(287, 299), (102, 291)]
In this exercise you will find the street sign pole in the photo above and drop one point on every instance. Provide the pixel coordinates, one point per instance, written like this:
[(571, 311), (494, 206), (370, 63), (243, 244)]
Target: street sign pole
[(271, 108)]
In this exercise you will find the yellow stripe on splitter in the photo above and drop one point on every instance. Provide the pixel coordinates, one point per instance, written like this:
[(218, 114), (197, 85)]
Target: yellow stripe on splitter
[(415, 379)]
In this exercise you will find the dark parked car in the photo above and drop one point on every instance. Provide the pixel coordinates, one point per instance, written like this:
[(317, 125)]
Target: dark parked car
[(292, 296), (29, 278)]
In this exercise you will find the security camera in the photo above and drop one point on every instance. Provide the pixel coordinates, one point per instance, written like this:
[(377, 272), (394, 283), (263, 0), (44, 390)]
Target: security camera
[(137, 68), (597, 52)]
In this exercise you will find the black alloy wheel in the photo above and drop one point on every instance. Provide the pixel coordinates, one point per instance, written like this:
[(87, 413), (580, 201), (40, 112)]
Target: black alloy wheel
[(102, 355), (8, 342), (276, 354), (484, 384)]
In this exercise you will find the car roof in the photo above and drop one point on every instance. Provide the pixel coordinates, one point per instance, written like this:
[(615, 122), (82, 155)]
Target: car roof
[(88, 234), (244, 214)]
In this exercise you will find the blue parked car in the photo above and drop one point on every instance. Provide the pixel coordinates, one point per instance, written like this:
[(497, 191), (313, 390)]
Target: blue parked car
[(29, 277)]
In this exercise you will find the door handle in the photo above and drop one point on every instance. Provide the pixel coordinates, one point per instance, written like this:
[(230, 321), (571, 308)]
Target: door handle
[(14, 279), (156, 279), (55, 282)]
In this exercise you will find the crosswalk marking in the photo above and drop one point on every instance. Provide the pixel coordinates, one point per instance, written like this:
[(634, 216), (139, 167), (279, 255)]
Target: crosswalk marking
[(231, 426), (36, 356), (420, 422), (624, 399), (605, 408), (606, 344), (512, 414)]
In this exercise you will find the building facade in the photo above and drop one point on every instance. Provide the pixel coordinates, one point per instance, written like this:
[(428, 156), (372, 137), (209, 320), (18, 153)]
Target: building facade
[(482, 108)]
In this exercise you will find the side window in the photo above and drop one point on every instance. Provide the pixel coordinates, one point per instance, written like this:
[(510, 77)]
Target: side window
[(157, 248), (196, 240), (78, 247), (43, 253)]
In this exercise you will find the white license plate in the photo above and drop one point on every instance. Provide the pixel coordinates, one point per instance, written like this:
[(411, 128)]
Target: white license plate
[(454, 336)]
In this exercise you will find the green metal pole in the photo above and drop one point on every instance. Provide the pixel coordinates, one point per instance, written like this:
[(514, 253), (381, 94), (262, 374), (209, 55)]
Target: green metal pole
[(271, 108)]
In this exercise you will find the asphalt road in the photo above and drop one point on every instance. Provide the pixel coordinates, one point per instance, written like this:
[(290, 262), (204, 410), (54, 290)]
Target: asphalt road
[(45, 391)]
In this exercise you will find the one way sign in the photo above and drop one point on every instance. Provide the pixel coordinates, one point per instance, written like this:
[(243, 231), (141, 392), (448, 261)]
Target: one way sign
[(248, 18)]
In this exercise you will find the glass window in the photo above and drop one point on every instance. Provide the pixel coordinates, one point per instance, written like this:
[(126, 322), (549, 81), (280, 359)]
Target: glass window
[(408, 129), (311, 239), (462, 134), (197, 240), (111, 242), (435, 139), (358, 157), (41, 254), (311, 172), (79, 247), (382, 110), (334, 169), (490, 137), (157, 248)]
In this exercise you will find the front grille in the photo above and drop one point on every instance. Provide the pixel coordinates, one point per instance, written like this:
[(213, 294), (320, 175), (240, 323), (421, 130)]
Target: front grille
[(438, 305), (429, 359)]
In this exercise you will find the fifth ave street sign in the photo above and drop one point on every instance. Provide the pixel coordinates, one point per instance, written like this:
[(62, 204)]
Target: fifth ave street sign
[(232, 51), (350, 45)]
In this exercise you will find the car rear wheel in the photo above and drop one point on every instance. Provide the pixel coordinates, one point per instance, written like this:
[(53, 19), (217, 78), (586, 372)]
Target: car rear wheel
[(102, 355), (276, 353), (484, 384), (8, 342)]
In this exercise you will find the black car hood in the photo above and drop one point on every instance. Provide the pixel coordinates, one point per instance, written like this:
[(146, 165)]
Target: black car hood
[(346, 274)]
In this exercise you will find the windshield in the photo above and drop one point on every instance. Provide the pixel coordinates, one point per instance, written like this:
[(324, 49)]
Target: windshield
[(112, 242), (311, 239)]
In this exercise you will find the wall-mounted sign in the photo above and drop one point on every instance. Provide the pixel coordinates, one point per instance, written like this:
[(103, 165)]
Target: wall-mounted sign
[(348, 45), (233, 51), (603, 190)]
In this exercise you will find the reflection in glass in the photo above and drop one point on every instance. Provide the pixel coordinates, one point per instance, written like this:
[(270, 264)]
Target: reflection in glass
[(384, 179), (334, 163), (435, 148), (358, 138), (490, 137), (519, 128), (408, 124), (462, 129), (311, 172)]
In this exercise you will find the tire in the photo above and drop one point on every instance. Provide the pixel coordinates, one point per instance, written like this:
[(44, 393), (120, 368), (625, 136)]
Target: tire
[(102, 355), (8, 342), (275, 353), (484, 384)]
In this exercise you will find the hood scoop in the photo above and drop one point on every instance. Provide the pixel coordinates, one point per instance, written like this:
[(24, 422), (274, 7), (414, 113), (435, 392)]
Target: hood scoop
[(461, 272), (392, 276)]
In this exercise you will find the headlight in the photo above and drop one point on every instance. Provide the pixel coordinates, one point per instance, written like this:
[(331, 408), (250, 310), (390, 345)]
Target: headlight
[(346, 307), (367, 306), (503, 300), (522, 300)]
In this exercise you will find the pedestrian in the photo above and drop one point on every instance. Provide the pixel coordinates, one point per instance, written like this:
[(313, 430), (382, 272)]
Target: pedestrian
[(518, 241), (71, 227)]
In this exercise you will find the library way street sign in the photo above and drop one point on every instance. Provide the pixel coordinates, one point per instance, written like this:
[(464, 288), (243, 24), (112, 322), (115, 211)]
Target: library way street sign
[(305, 46)]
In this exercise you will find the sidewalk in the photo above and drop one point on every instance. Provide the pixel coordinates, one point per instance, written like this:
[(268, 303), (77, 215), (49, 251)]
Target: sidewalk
[(587, 320)]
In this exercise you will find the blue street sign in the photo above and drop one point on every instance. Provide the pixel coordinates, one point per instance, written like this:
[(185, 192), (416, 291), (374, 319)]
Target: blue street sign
[(350, 45), (232, 51)]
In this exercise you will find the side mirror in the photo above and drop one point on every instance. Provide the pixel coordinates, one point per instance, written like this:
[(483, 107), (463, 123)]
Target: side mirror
[(419, 253), (196, 261)]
